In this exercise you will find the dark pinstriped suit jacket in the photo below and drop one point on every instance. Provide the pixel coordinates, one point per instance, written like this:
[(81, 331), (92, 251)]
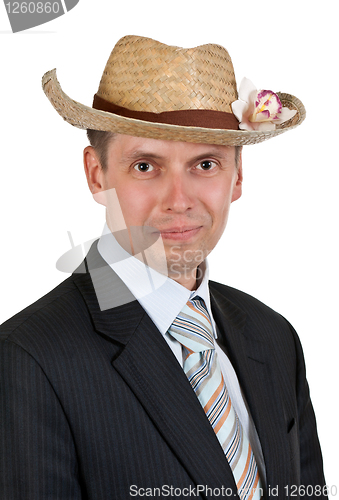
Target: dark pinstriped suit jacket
[(94, 401)]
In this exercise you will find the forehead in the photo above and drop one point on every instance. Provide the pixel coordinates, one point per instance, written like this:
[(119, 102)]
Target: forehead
[(127, 147)]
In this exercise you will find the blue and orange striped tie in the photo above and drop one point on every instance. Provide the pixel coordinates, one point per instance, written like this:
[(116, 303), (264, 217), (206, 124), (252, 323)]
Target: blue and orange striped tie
[(192, 328)]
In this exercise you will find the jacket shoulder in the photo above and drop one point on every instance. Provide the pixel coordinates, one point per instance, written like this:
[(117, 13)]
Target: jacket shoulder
[(262, 321), (244, 301), (48, 313)]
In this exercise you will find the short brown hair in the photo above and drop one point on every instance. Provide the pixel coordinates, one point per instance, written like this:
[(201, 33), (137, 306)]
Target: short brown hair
[(100, 140), (238, 150)]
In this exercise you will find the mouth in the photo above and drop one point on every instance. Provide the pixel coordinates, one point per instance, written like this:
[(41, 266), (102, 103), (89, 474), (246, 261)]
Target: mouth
[(179, 233)]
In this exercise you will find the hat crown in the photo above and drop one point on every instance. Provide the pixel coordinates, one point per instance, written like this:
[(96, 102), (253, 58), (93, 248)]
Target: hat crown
[(142, 74)]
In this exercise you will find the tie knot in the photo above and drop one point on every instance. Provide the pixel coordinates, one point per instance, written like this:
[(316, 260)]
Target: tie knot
[(192, 327)]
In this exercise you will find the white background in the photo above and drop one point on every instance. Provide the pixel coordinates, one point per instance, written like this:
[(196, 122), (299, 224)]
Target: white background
[(281, 244)]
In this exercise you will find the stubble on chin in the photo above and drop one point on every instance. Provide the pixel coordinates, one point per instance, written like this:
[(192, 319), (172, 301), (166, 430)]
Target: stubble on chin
[(183, 261)]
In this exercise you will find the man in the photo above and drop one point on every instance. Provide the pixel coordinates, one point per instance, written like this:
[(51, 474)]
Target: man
[(136, 376)]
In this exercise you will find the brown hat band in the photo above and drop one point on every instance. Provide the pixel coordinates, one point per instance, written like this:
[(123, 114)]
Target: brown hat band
[(207, 118)]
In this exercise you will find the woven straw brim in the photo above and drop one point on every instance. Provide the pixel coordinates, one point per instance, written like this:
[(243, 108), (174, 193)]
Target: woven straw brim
[(85, 117)]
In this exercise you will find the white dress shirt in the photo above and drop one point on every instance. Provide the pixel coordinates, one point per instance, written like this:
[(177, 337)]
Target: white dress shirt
[(163, 299)]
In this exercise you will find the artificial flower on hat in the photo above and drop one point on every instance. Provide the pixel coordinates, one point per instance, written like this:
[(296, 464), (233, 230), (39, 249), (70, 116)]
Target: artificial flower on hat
[(259, 109)]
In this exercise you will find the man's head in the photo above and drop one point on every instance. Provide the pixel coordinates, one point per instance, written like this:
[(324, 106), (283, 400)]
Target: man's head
[(172, 124), (182, 191)]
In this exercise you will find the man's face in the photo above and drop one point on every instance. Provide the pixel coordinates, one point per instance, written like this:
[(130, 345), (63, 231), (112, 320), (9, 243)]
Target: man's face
[(180, 189)]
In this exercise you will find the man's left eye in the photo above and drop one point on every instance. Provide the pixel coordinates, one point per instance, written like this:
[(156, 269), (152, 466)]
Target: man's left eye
[(143, 167), (206, 165)]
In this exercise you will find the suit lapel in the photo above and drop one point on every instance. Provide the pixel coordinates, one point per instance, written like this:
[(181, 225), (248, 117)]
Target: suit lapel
[(153, 373), (252, 359)]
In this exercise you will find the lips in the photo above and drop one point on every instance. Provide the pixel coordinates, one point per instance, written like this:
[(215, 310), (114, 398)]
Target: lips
[(178, 229), (179, 233)]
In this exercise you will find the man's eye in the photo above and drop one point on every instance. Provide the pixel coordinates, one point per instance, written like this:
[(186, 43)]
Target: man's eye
[(206, 165), (143, 167)]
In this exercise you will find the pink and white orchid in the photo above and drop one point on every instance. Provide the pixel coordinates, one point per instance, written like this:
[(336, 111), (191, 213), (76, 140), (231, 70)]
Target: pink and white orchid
[(259, 109)]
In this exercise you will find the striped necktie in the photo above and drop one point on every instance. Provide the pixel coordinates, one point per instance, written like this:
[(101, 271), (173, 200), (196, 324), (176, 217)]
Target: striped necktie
[(193, 329)]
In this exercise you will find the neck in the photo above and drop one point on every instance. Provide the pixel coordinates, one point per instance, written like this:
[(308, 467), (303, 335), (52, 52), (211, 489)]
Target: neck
[(189, 278)]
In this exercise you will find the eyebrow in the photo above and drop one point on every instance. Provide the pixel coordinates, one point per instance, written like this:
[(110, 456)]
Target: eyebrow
[(141, 153), (213, 152)]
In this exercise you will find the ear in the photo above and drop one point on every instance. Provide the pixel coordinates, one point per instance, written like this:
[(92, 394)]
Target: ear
[(94, 174), (237, 189)]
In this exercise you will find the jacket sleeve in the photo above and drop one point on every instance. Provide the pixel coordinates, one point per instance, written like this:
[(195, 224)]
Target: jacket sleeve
[(38, 458), (311, 463)]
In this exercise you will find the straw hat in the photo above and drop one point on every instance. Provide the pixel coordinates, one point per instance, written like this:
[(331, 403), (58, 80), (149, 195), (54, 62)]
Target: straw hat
[(150, 89)]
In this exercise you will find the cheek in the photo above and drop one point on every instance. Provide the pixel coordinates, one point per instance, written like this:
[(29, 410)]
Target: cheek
[(218, 200), (136, 204)]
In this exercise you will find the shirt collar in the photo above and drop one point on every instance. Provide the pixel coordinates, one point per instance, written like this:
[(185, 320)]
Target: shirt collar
[(160, 296)]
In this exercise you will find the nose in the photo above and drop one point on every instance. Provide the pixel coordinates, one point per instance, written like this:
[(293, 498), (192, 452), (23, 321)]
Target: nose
[(178, 193)]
